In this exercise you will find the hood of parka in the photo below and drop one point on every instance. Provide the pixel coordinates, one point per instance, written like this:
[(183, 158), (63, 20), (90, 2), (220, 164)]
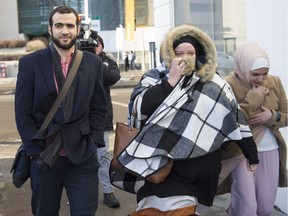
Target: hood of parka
[(206, 51)]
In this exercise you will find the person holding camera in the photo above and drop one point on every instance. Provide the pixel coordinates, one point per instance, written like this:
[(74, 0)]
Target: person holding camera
[(111, 75), (78, 122)]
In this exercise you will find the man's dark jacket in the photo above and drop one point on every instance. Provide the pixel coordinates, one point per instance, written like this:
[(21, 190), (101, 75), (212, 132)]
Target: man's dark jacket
[(35, 94), (111, 75)]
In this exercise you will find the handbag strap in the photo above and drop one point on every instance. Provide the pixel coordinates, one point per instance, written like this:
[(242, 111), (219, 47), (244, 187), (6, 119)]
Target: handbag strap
[(64, 90), (133, 116)]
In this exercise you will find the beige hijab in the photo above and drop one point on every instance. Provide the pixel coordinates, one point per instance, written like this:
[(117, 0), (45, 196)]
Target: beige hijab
[(244, 57)]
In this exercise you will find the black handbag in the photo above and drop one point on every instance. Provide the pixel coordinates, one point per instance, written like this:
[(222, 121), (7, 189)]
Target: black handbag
[(20, 167)]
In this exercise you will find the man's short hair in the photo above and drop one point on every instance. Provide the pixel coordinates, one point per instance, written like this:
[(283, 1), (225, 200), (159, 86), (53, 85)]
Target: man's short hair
[(63, 9)]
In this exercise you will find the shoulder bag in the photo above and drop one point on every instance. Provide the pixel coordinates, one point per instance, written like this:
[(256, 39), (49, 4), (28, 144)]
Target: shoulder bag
[(124, 134)]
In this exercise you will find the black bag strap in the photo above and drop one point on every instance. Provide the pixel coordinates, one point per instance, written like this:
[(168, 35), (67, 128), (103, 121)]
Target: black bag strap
[(64, 90), (133, 117)]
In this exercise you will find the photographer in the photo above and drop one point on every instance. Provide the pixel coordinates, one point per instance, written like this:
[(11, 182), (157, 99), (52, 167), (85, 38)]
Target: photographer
[(111, 75)]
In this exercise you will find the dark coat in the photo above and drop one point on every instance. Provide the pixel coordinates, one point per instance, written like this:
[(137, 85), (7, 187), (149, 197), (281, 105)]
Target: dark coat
[(35, 94), (111, 75)]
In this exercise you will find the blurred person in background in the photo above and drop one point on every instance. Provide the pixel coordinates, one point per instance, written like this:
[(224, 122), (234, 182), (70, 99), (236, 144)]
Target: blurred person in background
[(126, 61), (132, 61)]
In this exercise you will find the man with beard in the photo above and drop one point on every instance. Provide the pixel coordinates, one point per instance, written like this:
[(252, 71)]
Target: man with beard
[(78, 122)]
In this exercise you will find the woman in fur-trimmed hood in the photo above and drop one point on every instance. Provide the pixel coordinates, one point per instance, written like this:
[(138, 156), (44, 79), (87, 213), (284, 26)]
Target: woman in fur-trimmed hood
[(206, 61), (185, 111)]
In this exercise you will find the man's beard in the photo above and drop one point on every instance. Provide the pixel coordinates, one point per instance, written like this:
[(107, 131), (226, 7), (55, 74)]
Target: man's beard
[(58, 43), (189, 65)]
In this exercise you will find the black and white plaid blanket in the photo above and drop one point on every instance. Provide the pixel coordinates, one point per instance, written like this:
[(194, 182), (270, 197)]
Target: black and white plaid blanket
[(191, 122)]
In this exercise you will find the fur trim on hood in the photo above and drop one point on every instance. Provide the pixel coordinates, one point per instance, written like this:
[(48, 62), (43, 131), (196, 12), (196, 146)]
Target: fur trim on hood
[(206, 51)]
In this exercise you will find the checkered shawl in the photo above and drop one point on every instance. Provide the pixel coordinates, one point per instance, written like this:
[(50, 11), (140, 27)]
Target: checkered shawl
[(149, 79), (191, 122)]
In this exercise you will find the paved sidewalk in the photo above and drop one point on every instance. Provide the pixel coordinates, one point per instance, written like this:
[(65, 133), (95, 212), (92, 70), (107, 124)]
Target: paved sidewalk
[(16, 202), (128, 79)]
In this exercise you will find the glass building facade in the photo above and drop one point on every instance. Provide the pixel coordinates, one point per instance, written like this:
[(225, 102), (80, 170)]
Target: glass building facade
[(33, 15)]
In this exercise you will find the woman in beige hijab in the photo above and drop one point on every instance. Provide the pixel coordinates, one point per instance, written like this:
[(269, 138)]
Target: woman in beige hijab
[(264, 104)]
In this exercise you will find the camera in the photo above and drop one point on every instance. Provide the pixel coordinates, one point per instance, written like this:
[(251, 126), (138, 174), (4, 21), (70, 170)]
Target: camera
[(85, 42)]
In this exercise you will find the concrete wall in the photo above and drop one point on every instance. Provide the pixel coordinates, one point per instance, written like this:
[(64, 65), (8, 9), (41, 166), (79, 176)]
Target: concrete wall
[(163, 21), (9, 19), (140, 44), (234, 20), (267, 25)]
